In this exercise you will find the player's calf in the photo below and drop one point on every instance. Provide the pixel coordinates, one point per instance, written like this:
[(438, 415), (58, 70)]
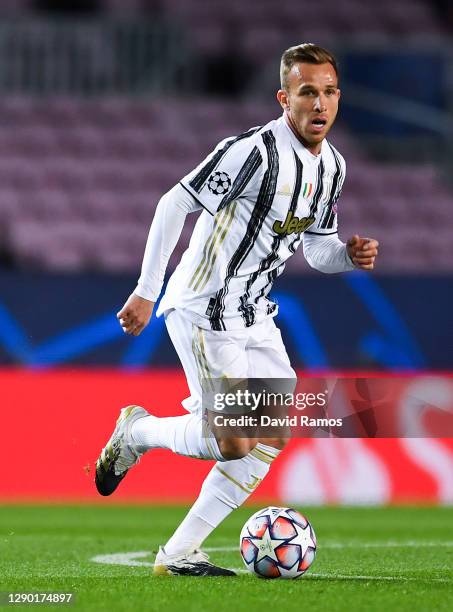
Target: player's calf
[(278, 443), (236, 448)]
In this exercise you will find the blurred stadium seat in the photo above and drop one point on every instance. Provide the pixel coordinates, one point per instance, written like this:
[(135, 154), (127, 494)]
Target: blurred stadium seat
[(96, 163), (91, 165)]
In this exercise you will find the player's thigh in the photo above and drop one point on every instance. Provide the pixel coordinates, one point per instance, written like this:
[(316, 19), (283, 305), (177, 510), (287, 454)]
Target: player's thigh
[(270, 365), (180, 331), (222, 353), (205, 355), (224, 356), (266, 353)]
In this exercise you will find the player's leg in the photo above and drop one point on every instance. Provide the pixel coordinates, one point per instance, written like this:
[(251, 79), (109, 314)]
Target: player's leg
[(190, 434), (269, 360), (137, 431), (230, 483), (227, 486), (213, 355)]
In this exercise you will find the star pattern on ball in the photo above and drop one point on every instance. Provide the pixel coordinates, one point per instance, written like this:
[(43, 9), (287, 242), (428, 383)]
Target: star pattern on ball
[(284, 573), (266, 546), (304, 538)]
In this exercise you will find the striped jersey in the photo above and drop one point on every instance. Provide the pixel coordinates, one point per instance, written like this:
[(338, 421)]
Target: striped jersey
[(260, 192)]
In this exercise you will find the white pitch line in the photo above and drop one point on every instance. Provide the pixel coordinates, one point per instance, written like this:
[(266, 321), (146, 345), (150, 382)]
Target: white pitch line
[(134, 559), (127, 558)]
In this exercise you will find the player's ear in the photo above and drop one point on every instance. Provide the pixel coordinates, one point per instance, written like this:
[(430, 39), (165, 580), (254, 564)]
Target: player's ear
[(282, 97)]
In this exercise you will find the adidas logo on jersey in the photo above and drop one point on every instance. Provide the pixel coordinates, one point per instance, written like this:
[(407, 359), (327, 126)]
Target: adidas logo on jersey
[(285, 190), (292, 225)]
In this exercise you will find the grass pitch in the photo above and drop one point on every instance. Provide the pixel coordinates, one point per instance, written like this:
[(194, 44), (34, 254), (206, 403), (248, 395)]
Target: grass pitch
[(368, 559)]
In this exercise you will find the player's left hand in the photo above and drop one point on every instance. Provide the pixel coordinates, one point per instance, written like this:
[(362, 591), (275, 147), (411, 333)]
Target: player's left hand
[(362, 251)]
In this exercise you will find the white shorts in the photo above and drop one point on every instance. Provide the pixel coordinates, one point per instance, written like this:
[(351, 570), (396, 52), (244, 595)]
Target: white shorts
[(254, 352)]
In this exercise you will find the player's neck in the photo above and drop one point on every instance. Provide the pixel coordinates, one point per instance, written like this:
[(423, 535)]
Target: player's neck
[(314, 149)]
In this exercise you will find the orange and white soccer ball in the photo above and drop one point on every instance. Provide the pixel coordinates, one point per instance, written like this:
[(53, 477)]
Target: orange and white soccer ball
[(278, 543)]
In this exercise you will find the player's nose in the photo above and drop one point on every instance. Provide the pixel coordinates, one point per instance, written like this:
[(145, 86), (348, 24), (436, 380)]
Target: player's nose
[(320, 103)]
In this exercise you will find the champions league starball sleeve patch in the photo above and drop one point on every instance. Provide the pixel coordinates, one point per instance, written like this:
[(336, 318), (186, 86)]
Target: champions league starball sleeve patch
[(219, 183), (226, 174)]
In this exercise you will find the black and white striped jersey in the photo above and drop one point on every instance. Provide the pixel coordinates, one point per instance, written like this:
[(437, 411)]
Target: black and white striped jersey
[(260, 192)]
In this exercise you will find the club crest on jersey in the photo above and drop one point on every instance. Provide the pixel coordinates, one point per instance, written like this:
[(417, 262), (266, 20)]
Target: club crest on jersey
[(219, 183), (292, 225), (308, 188)]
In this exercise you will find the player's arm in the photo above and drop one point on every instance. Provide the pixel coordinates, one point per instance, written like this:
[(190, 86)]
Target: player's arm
[(163, 236), (327, 253), (324, 250)]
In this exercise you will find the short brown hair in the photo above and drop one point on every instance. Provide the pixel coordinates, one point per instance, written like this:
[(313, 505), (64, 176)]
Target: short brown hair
[(307, 53)]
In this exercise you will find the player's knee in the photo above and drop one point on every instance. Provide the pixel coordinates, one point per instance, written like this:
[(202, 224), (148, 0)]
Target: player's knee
[(278, 443), (235, 448)]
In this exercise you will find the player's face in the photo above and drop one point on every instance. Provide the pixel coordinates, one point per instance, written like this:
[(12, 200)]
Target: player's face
[(310, 102)]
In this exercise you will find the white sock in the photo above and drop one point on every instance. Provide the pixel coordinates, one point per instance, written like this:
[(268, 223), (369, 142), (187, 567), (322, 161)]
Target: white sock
[(186, 435), (225, 488)]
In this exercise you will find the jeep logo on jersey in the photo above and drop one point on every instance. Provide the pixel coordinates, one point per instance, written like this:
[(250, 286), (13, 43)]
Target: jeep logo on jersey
[(292, 225), (219, 183)]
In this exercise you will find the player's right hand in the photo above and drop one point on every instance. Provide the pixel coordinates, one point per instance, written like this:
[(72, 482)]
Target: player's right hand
[(135, 315)]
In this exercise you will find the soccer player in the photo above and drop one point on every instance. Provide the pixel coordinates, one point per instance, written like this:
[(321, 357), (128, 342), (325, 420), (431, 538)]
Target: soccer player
[(261, 193)]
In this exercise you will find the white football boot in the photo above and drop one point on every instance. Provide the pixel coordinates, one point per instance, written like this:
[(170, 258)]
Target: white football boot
[(195, 563), (120, 453)]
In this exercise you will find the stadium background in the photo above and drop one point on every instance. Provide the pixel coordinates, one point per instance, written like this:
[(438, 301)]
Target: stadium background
[(104, 105)]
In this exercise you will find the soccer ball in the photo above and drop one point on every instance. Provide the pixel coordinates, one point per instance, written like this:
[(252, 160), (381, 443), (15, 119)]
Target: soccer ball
[(278, 543)]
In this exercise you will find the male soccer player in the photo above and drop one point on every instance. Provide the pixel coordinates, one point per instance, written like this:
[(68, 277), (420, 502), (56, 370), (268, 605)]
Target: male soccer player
[(261, 193)]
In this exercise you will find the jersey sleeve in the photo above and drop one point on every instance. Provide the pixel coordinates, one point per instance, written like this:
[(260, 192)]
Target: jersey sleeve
[(228, 173), (326, 218), (163, 236)]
